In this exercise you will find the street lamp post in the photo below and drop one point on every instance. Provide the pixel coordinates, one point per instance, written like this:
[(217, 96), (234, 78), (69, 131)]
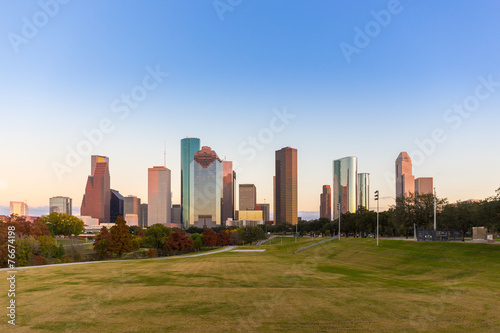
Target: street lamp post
[(376, 199), (340, 213), (435, 208)]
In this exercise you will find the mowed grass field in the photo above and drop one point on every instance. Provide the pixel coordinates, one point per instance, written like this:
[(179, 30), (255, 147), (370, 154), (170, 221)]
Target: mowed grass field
[(350, 285)]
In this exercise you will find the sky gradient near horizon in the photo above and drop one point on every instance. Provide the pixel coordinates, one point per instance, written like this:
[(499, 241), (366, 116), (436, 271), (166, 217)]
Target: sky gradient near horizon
[(64, 74)]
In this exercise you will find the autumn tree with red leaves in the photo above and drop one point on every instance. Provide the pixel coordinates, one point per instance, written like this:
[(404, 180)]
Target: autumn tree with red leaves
[(210, 237), (179, 242)]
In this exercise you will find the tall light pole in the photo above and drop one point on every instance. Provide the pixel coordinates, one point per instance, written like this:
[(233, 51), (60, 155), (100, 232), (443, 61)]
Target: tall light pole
[(340, 213), (296, 230), (376, 199), (435, 209)]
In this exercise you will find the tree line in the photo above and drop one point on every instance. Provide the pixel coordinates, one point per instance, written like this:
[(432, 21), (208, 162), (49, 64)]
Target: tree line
[(409, 211)]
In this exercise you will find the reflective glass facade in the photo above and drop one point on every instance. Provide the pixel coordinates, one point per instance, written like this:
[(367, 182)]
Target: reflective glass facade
[(61, 205), (345, 172), (206, 189), (189, 147), (364, 190)]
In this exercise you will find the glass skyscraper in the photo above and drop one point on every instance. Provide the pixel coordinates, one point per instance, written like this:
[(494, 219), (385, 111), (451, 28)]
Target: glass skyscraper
[(206, 189), (61, 205), (189, 147), (364, 190), (345, 172)]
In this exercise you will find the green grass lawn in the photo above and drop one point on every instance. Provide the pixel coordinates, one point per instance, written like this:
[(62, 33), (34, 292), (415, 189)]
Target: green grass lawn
[(350, 285)]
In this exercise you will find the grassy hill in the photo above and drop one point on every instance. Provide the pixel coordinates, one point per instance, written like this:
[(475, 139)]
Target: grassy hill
[(350, 285)]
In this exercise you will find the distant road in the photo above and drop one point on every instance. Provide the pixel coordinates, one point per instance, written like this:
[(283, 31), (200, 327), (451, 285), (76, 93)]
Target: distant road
[(227, 248)]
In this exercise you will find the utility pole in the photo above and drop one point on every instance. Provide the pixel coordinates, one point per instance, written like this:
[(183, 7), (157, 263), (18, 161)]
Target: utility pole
[(340, 213), (376, 199), (435, 209)]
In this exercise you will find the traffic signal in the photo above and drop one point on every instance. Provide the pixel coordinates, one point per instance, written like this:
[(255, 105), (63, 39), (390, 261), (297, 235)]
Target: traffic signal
[(376, 195)]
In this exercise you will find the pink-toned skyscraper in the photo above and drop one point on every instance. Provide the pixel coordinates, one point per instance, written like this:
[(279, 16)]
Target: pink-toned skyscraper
[(97, 197), (424, 185), (405, 181), (159, 196)]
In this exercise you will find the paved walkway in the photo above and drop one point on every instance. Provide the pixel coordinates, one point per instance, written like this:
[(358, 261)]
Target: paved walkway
[(228, 248)]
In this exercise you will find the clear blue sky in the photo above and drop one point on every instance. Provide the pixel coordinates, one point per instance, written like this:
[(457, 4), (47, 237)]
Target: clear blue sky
[(227, 77)]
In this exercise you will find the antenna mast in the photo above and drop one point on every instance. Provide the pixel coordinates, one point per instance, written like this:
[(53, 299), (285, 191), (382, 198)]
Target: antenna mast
[(165, 154)]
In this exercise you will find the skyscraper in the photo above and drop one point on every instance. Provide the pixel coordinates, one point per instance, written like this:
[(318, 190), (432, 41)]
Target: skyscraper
[(206, 189), (345, 172), (61, 205), (176, 214), (19, 208), (229, 178), (424, 185), (248, 197), (264, 207), (405, 181), (364, 190), (286, 194), (189, 147), (159, 195), (97, 198), (325, 209), (143, 222), (116, 206), (131, 204)]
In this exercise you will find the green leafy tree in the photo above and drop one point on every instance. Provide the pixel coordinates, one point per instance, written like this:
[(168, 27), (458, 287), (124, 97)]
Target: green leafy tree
[(49, 249), (27, 249), (121, 239), (197, 243), (157, 235), (102, 243), (251, 234), (461, 215), (63, 224)]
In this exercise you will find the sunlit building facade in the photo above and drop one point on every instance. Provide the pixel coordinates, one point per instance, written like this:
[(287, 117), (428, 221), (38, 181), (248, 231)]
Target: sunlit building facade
[(345, 171), (364, 190), (97, 198), (132, 205), (19, 208), (206, 189), (189, 147), (159, 196), (424, 185), (405, 181)]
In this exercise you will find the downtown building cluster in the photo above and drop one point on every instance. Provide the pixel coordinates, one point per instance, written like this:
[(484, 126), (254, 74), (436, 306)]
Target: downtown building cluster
[(208, 188), (207, 193)]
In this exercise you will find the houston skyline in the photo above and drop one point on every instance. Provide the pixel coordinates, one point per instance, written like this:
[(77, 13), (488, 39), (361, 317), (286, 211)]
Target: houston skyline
[(71, 104)]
